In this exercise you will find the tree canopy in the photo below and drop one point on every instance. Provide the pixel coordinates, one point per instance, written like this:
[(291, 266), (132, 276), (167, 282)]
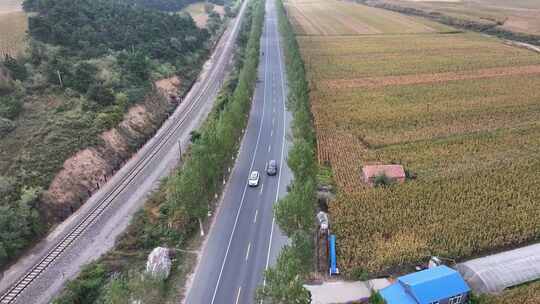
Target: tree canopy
[(91, 28)]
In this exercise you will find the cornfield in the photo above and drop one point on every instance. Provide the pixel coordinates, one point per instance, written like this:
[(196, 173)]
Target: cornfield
[(460, 111)]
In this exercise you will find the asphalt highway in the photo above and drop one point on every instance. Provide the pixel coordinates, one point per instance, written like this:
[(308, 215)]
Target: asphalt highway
[(30, 280), (244, 238)]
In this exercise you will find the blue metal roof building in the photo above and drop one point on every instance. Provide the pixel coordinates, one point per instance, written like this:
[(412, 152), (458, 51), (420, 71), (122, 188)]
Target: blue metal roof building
[(438, 285)]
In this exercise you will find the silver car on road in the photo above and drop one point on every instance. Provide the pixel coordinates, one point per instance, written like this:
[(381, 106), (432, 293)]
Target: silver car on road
[(253, 180)]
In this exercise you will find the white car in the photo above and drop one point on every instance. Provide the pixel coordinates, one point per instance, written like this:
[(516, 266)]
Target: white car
[(253, 180)]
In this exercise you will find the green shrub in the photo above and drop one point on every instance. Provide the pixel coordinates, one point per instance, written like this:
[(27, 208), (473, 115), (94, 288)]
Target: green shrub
[(17, 68), (284, 280), (83, 77), (6, 126), (101, 93), (19, 222), (382, 180), (359, 274), (11, 106), (376, 298), (86, 288)]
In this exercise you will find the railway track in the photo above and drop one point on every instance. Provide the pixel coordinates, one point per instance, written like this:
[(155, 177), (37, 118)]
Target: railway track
[(211, 83)]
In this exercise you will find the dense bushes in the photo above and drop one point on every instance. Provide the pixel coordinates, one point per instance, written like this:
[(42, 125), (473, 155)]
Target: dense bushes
[(91, 28), (10, 106), (87, 288), (80, 45), (18, 220), (18, 70), (296, 212)]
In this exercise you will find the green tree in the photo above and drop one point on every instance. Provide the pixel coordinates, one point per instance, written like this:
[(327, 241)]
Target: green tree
[(18, 223), (10, 106), (101, 93), (16, 67), (214, 22), (137, 64), (296, 210), (208, 7), (284, 281), (83, 77)]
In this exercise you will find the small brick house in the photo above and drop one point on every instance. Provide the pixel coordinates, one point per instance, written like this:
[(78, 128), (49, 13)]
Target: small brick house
[(393, 172)]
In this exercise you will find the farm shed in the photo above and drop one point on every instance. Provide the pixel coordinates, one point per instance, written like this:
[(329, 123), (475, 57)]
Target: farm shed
[(394, 172), (439, 284), (494, 273)]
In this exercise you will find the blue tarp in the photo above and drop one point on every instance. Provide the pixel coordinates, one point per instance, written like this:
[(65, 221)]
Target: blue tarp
[(426, 286), (333, 263)]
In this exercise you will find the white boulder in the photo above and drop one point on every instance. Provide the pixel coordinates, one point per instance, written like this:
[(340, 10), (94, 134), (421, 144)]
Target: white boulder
[(159, 263)]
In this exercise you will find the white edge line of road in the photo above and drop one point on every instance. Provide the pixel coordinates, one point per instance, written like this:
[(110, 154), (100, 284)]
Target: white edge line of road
[(192, 276), (245, 186), (282, 149)]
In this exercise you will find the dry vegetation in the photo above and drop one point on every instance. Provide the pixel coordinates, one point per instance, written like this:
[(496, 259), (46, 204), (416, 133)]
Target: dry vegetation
[(527, 294), (459, 110), (515, 15), (13, 26), (344, 18), (197, 12), (10, 6)]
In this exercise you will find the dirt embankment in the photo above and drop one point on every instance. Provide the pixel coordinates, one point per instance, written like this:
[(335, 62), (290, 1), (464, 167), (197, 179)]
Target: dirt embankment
[(87, 170)]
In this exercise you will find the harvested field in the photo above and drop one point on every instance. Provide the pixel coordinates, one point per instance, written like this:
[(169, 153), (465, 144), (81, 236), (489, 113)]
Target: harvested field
[(459, 110), (516, 15), (360, 56), (344, 18), (13, 26), (376, 82)]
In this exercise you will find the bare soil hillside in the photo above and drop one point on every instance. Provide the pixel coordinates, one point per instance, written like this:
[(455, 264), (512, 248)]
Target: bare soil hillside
[(88, 169)]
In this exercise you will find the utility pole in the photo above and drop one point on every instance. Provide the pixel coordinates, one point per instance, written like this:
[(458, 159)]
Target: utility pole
[(60, 78), (201, 226)]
